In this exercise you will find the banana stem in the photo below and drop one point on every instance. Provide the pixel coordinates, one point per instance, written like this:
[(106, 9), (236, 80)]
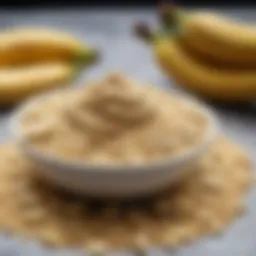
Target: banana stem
[(85, 59), (144, 32), (169, 16), (88, 57)]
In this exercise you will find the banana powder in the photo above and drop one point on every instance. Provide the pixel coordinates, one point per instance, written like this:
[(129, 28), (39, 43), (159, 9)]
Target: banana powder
[(114, 120)]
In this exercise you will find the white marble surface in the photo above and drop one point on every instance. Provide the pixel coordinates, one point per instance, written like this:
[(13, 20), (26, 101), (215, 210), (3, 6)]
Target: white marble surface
[(111, 32)]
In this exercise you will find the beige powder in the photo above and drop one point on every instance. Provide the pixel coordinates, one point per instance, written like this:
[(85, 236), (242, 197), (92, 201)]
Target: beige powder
[(114, 120), (204, 203)]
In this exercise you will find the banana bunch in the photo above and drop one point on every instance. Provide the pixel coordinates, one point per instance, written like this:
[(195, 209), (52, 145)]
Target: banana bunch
[(206, 53), (37, 59)]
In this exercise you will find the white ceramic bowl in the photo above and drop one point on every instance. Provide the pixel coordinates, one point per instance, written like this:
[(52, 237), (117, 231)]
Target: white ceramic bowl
[(114, 181)]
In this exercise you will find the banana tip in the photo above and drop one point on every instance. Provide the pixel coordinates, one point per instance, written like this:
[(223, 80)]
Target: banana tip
[(90, 56), (166, 6), (143, 31), (167, 13)]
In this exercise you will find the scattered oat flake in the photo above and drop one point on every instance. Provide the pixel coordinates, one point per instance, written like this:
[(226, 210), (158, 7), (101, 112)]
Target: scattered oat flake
[(204, 203)]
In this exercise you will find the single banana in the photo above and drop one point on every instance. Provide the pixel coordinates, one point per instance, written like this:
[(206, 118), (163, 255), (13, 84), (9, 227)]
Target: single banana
[(32, 45), (217, 84), (19, 83), (214, 37)]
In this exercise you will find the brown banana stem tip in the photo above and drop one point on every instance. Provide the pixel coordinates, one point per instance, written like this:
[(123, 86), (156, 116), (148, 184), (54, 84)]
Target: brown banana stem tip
[(144, 32), (167, 14)]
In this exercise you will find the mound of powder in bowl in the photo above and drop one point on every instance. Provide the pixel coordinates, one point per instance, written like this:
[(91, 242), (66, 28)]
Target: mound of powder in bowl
[(114, 120)]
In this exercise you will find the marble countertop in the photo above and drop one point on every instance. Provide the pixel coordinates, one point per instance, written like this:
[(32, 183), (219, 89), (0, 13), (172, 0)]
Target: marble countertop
[(110, 31)]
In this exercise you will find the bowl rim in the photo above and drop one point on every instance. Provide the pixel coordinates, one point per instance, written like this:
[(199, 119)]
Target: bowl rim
[(48, 159)]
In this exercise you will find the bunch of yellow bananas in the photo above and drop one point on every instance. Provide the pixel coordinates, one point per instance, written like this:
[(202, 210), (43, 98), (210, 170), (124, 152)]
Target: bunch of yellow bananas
[(206, 53), (36, 59)]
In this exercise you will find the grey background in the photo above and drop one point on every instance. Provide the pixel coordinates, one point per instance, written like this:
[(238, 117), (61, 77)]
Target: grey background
[(110, 31)]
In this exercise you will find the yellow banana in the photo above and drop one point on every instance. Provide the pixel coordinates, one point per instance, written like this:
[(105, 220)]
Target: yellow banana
[(30, 45), (226, 85), (19, 83), (215, 37)]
